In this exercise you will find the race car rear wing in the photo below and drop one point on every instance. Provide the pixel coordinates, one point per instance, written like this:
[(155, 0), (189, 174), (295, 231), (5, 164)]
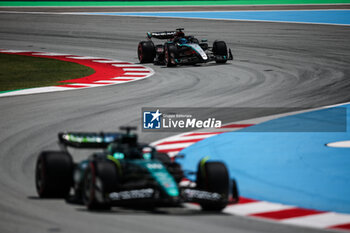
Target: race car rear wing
[(87, 140), (161, 35)]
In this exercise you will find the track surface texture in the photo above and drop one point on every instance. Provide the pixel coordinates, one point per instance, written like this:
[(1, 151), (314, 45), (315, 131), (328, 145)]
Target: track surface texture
[(176, 8), (277, 65)]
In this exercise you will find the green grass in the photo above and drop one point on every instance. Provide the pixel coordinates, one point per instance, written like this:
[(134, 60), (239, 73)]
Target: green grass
[(166, 3), (21, 72)]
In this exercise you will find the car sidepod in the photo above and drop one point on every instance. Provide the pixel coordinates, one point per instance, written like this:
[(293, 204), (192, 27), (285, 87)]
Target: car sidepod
[(198, 50), (164, 179), (161, 188)]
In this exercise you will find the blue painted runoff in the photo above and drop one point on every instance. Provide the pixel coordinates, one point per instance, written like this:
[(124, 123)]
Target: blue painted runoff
[(294, 168), (341, 17)]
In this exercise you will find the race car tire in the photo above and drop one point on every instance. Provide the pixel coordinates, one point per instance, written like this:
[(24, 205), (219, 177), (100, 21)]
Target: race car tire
[(54, 174), (101, 178), (234, 192), (214, 177), (146, 52), (170, 55), (220, 49)]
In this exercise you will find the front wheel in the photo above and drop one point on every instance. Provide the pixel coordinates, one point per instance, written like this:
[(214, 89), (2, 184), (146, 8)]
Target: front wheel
[(220, 52), (100, 180), (213, 177)]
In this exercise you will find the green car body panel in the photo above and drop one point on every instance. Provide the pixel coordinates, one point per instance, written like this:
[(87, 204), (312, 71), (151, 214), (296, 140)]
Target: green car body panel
[(160, 174)]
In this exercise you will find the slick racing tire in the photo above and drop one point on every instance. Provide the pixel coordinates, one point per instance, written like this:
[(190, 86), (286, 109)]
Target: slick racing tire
[(170, 55), (54, 174), (100, 179), (214, 177), (220, 49), (235, 193), (146, 52)]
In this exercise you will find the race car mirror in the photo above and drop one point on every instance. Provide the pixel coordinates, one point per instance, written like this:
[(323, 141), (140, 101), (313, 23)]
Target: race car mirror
[(179, 156)]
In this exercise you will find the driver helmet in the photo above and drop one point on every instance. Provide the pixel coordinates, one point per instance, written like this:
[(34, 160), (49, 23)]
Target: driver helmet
[(182, 41), (180, 34)]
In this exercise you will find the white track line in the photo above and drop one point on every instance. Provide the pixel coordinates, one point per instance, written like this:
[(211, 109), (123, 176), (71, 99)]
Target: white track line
[(135, 69), (51, 54), (220, 19), (173, 146), (110, 81), (13, 51), (36, 91), (341, 144), (255, 208), (181, 137), (108, 61), (84, 58), (87, 84), (134, 73), (127, 65), (322, 220)]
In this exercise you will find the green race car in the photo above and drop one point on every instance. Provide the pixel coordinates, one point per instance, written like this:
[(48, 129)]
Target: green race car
[(127, 172)]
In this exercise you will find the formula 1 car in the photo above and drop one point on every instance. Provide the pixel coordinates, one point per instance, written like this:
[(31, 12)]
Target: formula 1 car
[(127, 172), (180, 49)]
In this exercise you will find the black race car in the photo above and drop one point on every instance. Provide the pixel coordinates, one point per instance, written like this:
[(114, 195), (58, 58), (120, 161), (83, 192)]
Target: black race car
[(127, 172), (180, 49)]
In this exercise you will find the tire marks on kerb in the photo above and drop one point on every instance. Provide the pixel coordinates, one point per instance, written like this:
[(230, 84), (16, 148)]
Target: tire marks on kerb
[(107, 72), (277, 212)]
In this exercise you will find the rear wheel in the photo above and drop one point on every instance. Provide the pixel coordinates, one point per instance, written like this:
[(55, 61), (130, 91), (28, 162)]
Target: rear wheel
[(220, 51), (100, 179), (54, 174), (213, 177), (146, 52), (170, 55)]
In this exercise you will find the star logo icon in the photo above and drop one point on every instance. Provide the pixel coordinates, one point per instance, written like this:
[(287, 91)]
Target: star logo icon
[(152, 119), (156, 115)]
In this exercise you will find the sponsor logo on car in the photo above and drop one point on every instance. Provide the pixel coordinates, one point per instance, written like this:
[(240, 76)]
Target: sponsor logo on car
[(154, 166), (131, 194), (199, 194)]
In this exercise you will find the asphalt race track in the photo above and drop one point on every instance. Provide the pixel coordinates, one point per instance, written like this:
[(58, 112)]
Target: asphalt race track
[(277, 65)]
